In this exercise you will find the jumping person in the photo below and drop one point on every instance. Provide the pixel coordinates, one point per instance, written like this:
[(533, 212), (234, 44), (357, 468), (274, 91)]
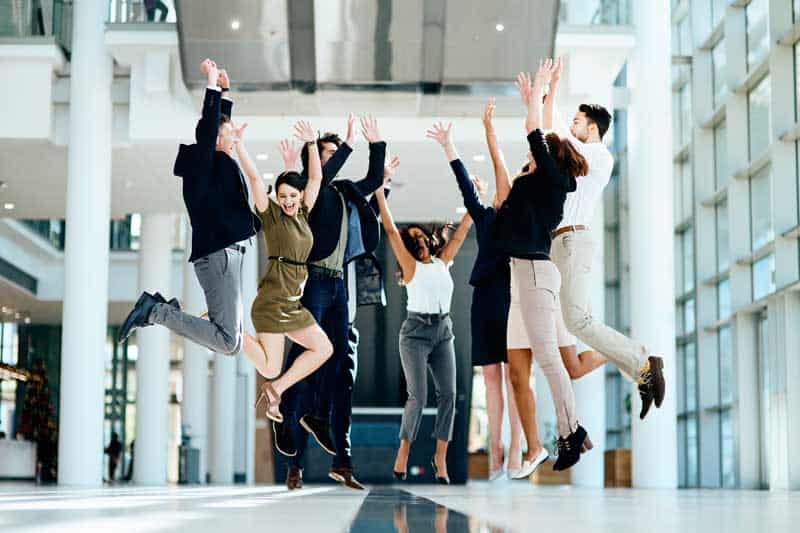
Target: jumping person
[(215, 194), (532, 209), (426, 336), (491, 298), (277, 311), (573, 251), (344, 227)]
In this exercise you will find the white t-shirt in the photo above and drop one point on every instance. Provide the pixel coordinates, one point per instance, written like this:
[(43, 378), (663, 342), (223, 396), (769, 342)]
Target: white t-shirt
[(580, 205), (431, 289)]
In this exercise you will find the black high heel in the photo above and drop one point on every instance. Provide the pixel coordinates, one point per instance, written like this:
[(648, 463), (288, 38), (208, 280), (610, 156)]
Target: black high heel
[(443, 480), (399, 476)]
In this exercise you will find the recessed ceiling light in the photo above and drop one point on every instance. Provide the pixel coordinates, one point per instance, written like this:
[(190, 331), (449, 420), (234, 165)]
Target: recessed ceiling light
[(8, 206), (27, 320), (499, 27), (268, 176), (3, 185), (262, 157), (235, 24), (479, 158), (128, 184), (461, 210)]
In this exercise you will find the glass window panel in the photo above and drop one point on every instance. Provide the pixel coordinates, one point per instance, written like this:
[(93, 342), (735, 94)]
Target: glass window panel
[(763, 277), (680, 329), (757, 31), (718, 63), (797, 81), (681, 452), (721, 155), (10, 342), (679, 264), (686, 113), (691, 451), (677, 189), (726, 428), (688, 260), (723, 237), (687, 189), (761, 209), (796, 10), (689, 317), (723, 299), (685, 35), (681, 377), (726, 385), (758, 109), (690, 367)]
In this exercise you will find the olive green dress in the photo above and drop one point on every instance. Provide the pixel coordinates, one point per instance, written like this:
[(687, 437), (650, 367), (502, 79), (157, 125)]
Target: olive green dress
[(277, 307)]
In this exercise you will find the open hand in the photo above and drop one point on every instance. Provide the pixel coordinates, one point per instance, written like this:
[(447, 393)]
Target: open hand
[(390, 169), (290, 152), (488, 114), (304, 131), (209, 68), (206, 65), (351, 130), (555, 71), (524, 87), (222, 79), (369, 129), (542, 76), (439, 133)]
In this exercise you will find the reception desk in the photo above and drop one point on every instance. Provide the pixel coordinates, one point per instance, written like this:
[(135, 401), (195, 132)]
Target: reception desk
[(17, 460)]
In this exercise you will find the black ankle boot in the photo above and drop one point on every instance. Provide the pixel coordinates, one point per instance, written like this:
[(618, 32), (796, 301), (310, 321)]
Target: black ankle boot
[(569, 449)]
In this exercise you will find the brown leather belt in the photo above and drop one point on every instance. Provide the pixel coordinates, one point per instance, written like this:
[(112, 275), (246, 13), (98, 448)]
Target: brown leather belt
[(565, 229)]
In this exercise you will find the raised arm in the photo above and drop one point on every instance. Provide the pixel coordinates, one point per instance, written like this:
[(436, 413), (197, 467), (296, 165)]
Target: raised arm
[(257, 187), (501, 178), (450, 250), (304, 132), (377, 157), (407, 262), (443, 136), (224, 84), (548, 109), (335, 163), (208, 126), (531, 94)]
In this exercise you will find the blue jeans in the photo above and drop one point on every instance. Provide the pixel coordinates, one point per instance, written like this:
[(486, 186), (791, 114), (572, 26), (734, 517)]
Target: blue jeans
[(326, 298)]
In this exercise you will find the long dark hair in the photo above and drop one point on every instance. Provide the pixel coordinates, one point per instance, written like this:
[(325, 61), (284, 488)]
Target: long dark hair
[(568, 159), (437, 236)]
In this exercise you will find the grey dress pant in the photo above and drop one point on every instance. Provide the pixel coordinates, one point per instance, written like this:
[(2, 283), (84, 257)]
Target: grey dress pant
[(426, 342), (220, 276)]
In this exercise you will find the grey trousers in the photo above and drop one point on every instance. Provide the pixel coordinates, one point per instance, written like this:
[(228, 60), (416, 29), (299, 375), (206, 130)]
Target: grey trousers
[(220, 276), (426, 342)]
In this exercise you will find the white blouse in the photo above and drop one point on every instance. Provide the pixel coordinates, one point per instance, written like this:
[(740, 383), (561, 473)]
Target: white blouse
[(431, 289)]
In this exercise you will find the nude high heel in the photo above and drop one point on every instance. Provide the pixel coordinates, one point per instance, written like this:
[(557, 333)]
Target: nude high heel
[(273, 399)]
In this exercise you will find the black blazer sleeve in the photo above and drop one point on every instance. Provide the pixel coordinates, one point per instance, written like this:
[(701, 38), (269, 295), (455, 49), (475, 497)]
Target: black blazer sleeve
[(207, 127), (471, 200), (335, 163), (374, 179), (226, 106), (545, 161), (373, 202)]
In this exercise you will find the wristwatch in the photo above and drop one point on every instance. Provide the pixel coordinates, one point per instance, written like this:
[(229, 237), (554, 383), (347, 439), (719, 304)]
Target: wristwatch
[(225, 89)]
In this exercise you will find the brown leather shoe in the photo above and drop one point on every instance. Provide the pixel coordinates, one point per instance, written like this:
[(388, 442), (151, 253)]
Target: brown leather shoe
[(294, 479), (345, 477)]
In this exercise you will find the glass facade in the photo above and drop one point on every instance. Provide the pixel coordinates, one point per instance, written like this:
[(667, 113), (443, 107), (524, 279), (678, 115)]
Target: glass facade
[(758, 118), (757, 32)]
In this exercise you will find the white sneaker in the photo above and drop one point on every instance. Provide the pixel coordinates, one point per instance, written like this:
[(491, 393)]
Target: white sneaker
[(529, 467)]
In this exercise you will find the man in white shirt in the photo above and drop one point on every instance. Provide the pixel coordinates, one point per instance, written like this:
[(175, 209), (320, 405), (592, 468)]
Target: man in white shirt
[(572, 251)]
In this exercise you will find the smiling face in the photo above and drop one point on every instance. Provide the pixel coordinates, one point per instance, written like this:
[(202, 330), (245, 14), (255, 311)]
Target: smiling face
[(290, 199)]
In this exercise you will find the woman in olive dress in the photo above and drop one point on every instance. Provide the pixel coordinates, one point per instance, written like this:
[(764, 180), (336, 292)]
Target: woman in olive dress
[(277, 312)]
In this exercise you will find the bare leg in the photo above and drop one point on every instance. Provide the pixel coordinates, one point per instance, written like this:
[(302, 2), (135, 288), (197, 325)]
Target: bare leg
[(401, 460), (579, 365), (265, 352), (318, 350), (441, 458), (519, 362), (514, 449), (492, 379)]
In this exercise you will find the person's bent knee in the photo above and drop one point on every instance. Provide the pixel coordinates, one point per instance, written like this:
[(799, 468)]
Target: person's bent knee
[(326, 349), (232, 344), (576, 319)]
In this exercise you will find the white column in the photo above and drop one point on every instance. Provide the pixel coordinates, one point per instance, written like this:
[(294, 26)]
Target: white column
[(245, 431), (651, 237), (194, 405), (84, 315), (590, 390), (224, 423), (153, 347)]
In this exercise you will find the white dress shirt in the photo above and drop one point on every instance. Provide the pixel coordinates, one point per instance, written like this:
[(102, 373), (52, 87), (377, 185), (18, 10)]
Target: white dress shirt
[(580, 205)]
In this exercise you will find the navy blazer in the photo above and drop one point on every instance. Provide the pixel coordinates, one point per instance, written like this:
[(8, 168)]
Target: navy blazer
[(492, 263), (214, 189)]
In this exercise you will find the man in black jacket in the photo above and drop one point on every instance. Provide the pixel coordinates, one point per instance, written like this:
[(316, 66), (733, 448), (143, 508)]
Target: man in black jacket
[(216, 198), (345, 228)]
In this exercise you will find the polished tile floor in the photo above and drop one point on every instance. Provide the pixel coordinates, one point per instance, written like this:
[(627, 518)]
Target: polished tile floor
[(477, 507)]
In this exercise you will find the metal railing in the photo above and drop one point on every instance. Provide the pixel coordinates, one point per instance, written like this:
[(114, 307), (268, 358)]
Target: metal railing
[(596, 12)]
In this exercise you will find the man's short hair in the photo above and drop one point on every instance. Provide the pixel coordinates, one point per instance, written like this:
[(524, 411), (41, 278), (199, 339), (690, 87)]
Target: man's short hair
[(325, 138), (598, 115)]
